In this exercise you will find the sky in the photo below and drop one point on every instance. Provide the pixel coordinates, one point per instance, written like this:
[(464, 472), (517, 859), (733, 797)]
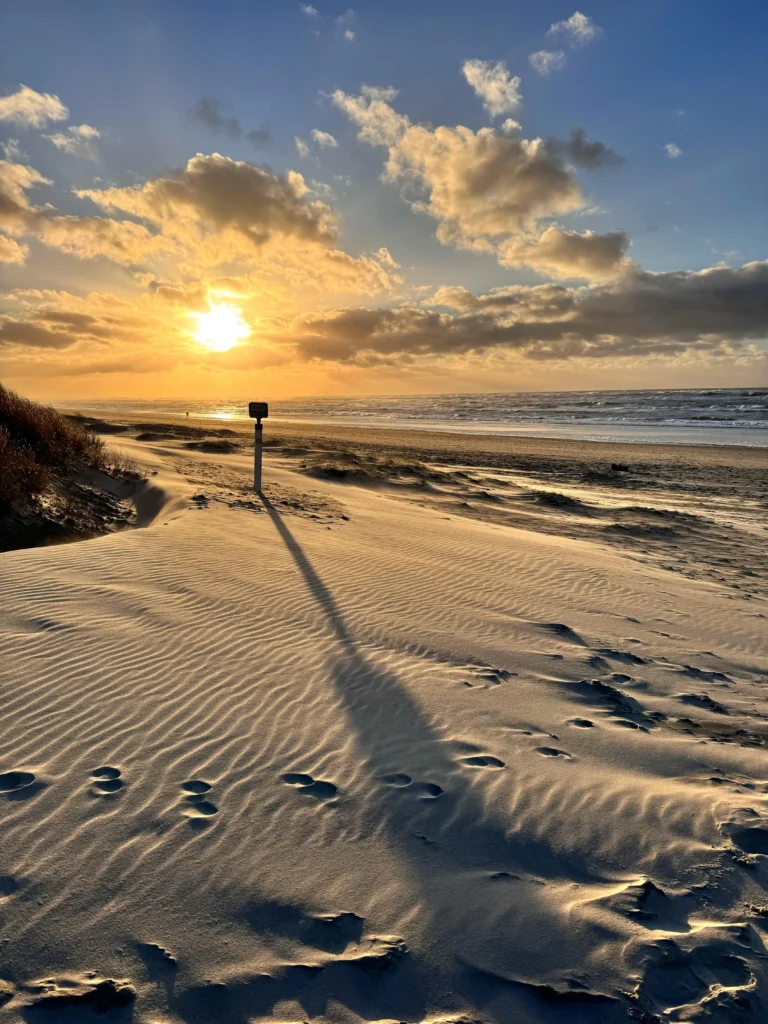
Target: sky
[(222, 200)]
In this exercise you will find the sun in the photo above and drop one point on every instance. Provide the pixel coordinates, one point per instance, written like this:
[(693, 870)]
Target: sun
[(221, 328)]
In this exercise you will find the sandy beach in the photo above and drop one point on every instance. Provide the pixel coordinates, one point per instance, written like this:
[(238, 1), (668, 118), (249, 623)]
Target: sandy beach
[(440, 729)]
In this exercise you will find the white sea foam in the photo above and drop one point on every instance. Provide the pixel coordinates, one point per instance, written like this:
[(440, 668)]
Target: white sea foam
[(714, 416)]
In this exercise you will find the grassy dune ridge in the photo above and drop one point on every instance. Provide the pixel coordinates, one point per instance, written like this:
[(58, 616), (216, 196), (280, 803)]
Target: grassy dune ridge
[(37, 443), (58, 480)]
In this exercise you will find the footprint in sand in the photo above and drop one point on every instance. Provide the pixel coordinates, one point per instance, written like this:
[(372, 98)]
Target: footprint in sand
[(398, 779), (582, 723), (106, 781), (559, 629), (483, 761), (8, 886), (195, 804), (427, 790), (553, 752), (309, 786), (15, 782), (196, 787), (487, 676)]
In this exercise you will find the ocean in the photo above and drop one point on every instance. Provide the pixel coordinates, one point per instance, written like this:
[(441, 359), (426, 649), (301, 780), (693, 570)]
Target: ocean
[(692, 416)]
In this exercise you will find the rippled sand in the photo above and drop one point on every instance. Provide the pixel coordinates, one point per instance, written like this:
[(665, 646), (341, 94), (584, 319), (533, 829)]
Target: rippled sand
[(343, 757)]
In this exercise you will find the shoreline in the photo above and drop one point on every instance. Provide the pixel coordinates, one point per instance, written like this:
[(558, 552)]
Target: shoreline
[(444, 444), (601, 433)]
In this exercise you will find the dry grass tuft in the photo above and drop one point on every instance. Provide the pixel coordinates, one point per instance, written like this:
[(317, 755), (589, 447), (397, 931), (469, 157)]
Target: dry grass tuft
[(37, 443)]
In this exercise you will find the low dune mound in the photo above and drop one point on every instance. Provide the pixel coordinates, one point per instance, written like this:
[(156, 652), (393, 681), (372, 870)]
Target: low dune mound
[(96, 425), (154, 435), (213, 447), (556, 500), (182, 430), (58, 481), (357, 469)]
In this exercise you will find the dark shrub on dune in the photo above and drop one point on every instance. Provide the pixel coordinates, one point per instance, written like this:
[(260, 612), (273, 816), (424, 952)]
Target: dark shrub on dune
[(36, 444)]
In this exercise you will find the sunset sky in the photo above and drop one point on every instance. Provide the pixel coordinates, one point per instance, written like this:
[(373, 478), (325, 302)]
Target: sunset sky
[(403, 197)]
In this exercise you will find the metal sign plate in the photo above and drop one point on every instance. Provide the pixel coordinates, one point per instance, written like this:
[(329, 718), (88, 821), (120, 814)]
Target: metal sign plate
[(258, 410)]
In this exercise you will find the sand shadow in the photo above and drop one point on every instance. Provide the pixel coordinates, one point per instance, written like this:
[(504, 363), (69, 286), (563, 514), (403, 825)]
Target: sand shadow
[(432, 802), (391, 726)]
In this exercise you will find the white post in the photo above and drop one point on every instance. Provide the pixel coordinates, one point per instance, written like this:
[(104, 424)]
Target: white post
[(258, 430)]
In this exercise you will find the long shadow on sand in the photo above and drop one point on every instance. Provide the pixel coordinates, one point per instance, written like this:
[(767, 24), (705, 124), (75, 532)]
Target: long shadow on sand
[(486, 892), (394, 732), (448, 840)]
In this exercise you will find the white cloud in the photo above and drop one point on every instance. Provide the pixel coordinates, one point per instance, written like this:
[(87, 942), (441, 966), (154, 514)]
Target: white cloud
[(301, 147), (547, 61), (347, 23), (309, 10), (77, 140), (323, 138), (322, 188), (673, 151), (499, 91), (12, 150), (31, 109), (578, 30)]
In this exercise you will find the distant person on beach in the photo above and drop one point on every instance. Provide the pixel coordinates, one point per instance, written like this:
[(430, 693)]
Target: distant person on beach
[(187, 415)]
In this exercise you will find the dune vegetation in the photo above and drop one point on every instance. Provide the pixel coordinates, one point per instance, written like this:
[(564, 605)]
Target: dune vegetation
[(38, 444), (58, 480)]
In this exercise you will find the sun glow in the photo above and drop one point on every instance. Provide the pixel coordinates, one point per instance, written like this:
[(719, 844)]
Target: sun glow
[(221, 328)]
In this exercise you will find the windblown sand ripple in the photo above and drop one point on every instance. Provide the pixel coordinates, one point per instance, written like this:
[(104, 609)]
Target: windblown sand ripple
[(258, 765)]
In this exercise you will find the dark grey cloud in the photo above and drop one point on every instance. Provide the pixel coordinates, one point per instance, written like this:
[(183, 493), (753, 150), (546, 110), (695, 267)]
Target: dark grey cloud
[(211, 114), (580, 151), (259, 137), (714, 310), (60, 328), (33, 335)]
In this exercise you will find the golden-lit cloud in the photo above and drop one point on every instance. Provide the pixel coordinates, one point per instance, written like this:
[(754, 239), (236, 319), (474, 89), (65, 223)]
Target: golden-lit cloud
[(215, 193), (709, 315), (31, 109), (499, 91), (121, 241), (12, 251), (225, 266), (562, 254), (490, 189), (16, 211), (215, 211)]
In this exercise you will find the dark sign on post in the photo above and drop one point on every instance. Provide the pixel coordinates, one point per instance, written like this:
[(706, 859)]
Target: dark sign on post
[(257, 411)]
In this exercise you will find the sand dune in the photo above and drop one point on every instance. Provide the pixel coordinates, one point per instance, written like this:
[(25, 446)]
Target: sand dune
[(334, 756)]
